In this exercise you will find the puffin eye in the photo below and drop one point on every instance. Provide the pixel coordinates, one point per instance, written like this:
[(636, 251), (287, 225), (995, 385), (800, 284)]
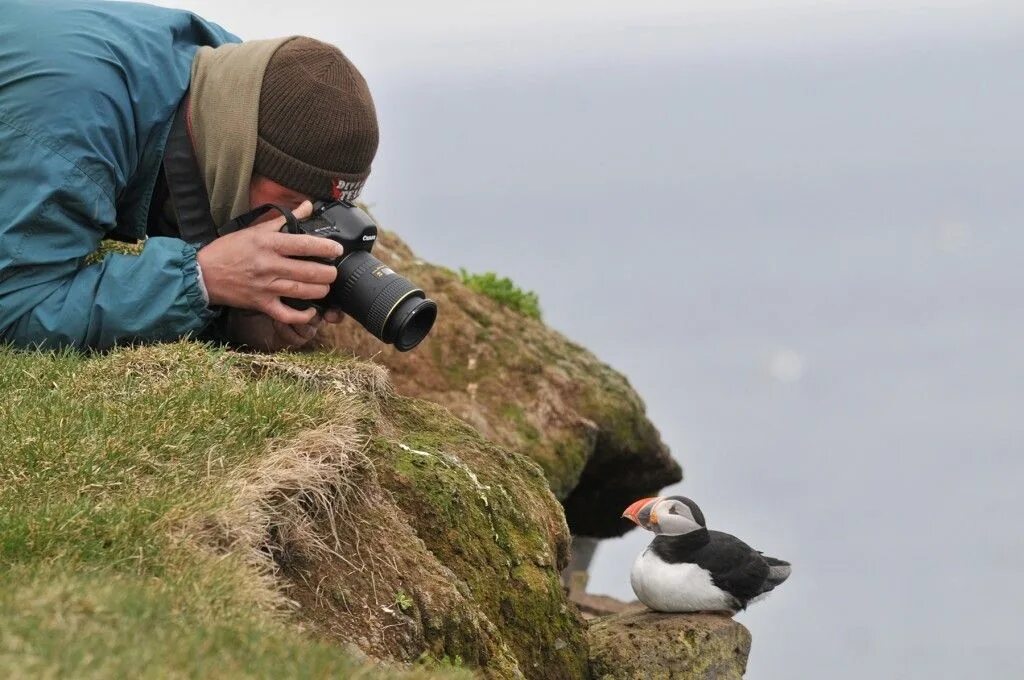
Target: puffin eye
[(672, 510)]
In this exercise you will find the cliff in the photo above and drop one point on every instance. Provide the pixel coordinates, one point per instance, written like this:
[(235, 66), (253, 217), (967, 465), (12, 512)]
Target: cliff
[(528, 388), (191, 511)]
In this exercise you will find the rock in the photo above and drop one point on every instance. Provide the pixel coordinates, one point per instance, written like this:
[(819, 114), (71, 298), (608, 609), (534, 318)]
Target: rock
[(528, 388), (650, 645), (594, 606)]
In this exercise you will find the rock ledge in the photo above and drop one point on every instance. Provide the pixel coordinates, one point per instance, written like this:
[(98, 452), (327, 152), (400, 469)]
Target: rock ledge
[(679, 646)]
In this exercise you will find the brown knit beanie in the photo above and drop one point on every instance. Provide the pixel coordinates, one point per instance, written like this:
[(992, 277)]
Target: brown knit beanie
[(317, 125)]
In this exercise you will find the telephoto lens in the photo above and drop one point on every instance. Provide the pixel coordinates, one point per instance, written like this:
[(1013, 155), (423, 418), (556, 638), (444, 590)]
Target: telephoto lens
[(384, 302)]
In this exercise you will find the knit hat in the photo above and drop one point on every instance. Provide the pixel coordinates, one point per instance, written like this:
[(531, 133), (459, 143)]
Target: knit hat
[(317, 124)]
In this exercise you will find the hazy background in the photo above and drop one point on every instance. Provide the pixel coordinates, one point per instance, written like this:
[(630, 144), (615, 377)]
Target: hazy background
[(796, 227)]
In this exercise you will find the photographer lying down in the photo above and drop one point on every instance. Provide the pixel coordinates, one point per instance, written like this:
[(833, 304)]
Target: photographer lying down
[(130, 122)]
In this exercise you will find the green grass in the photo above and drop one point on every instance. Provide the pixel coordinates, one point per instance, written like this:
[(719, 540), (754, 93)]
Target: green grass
[(503, 291), (109, 624), (101, 460)]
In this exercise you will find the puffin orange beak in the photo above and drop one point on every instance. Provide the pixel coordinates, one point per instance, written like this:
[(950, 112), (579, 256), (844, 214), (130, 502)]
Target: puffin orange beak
[(633, 511)]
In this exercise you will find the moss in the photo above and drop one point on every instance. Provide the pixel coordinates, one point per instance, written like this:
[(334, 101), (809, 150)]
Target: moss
[(403, 601), (571, 455), (503, 291), (467, 501), (113, 247), (446, 662)]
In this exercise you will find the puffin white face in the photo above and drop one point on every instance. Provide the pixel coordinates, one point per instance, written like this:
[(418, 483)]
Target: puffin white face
[(667, 516)]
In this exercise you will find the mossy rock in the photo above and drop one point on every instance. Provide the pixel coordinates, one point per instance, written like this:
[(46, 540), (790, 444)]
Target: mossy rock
[(528, 388), (651, 646)]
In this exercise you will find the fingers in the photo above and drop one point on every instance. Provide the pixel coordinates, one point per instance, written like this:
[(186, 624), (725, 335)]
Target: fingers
[(281, 312), (302, 245), (254, 268), (333, 315), (295, 336), (288, 334), (305, 271), (307, 331), (298, 289)]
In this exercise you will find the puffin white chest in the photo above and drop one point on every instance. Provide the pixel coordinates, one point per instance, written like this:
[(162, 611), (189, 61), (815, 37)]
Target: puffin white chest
[(680, 587)]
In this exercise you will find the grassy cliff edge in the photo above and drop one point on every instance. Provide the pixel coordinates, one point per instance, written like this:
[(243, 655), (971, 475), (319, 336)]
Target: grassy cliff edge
[(184, 511)]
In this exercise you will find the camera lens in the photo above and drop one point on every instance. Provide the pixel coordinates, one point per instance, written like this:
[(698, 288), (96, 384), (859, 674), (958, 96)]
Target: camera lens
[(384, 302), (410, 322)]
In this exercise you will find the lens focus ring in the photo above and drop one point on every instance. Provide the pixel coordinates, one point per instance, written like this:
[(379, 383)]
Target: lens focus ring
[(353, 279), (385, 302)]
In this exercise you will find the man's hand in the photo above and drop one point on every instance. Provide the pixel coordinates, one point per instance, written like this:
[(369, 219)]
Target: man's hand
[(261, 333), (254, 268), (297, 336)]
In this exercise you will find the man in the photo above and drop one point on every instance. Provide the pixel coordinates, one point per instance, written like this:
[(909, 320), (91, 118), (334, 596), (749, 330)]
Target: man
[(89, 94)]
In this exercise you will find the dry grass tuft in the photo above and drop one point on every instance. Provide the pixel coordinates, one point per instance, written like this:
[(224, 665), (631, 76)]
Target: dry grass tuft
[(316, 531), (351, 378), (279, 507)]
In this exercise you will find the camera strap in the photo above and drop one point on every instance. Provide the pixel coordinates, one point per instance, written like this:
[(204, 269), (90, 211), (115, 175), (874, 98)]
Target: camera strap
[(246, 220), (185, 184)]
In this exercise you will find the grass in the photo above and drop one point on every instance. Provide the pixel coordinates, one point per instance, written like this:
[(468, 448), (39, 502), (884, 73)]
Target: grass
[(105, 623), (103, 461), (504, 292)]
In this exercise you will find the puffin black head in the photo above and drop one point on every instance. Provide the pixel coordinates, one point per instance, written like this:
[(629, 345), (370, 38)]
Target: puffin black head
[(666, 515)]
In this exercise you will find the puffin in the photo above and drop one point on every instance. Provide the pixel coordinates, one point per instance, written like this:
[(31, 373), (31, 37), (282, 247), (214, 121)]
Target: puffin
[(688, 568)]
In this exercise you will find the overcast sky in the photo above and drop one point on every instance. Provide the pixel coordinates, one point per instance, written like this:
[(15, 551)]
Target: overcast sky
[(402, 37)]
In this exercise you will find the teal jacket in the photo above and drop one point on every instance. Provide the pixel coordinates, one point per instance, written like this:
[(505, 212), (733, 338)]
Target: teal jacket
[(88, 91)]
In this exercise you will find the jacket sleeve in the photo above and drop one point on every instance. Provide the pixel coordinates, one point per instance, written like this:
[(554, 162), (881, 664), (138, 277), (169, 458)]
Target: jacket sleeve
[(53, 215)]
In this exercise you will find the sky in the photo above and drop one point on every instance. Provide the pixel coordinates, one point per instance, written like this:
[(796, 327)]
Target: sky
[(396, 39), (795, 227)]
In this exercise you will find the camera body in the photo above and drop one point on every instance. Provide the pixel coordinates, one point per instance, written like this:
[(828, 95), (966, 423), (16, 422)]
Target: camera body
[(341, 222), (384, 302)]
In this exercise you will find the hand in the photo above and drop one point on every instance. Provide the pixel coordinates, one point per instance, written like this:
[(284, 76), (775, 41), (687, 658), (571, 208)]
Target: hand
[(254, 268), (287, 336), (261, 333), (299, 335)]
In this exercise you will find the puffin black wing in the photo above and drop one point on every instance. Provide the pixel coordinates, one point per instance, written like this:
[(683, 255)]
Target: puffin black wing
[(734, 566)]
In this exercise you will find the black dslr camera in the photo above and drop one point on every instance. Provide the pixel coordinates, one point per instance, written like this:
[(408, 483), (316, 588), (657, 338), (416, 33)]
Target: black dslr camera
[(385, 303)]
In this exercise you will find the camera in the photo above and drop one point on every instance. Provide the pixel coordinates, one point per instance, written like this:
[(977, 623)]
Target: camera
[(384, 302)]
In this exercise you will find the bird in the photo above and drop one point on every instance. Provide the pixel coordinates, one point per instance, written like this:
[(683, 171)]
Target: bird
[(688, 568)]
